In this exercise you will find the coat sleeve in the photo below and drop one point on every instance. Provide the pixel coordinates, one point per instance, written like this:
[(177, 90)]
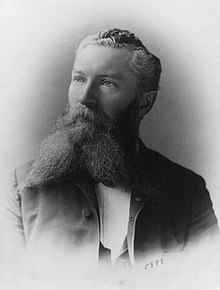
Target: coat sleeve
[(14, 239), (203, 224)]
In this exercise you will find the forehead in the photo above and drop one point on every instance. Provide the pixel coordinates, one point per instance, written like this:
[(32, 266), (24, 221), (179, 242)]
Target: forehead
[(104, 60)]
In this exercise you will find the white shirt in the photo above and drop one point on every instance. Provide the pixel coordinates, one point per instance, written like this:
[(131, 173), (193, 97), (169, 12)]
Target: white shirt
[(114, 205)]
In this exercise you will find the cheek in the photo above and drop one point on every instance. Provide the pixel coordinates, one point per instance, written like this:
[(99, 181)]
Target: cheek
[(72, 94), (113, 107), (116, 104)]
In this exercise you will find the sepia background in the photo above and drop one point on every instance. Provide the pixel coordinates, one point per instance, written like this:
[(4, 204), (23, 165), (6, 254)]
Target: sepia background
[(38, 39)]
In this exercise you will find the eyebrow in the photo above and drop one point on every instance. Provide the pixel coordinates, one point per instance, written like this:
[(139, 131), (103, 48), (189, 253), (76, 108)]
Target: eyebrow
[(78, 72), (110, 75)]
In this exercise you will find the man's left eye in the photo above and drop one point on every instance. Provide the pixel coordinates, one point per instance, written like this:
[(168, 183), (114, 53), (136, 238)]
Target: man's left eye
[(109, 84)]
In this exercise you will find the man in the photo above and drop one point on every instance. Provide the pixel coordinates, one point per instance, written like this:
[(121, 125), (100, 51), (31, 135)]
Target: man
[(95, 192)]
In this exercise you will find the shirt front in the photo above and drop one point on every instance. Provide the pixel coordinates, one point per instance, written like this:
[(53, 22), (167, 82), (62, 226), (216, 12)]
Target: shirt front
[(114, 205)]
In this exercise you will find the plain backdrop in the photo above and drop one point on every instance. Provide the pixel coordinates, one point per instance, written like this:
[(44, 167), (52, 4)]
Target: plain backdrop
[(38, 39)]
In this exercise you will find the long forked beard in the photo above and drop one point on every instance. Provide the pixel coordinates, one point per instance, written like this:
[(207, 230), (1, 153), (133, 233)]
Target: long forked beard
[(85, 142)]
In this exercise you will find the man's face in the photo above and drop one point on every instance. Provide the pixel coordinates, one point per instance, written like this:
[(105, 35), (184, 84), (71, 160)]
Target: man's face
[(102, 80)]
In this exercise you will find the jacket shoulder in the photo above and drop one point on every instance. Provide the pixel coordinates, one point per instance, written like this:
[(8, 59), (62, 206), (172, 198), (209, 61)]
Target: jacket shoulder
[(168, 173)]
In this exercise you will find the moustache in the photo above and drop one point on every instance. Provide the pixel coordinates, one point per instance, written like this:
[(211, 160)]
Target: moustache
[(81, 116)]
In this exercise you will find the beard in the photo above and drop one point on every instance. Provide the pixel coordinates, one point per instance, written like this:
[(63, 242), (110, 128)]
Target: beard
[(85, 142)]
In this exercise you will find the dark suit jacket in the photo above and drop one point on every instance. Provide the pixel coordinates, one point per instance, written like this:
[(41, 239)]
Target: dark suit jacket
[(170, 210)]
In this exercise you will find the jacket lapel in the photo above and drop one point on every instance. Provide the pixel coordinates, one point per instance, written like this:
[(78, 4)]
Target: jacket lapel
[(143, 195), (86, 184)]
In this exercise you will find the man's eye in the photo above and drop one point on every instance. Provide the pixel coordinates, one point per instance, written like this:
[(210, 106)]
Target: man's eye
[(79, 79), (109, 84)]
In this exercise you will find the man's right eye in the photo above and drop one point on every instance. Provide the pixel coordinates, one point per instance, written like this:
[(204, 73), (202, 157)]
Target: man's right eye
[(79, 79)]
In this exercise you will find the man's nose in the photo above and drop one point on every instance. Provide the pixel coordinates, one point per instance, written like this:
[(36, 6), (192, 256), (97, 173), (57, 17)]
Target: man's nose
[(88, 96)]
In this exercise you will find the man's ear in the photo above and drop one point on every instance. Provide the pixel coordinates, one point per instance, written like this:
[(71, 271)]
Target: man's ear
[(146, 102)]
